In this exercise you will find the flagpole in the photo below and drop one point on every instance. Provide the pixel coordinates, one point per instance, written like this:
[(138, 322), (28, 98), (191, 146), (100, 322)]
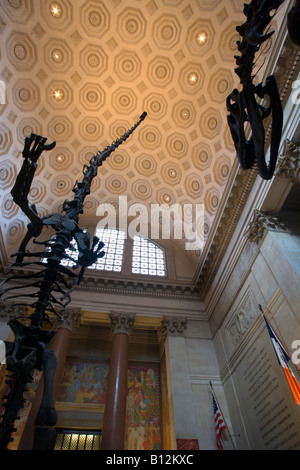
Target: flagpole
[(214, 394)]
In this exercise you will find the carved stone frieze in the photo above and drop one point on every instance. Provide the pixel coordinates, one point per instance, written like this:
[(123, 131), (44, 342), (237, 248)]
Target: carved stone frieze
[(121, 322), (242, 320), (288, 164), (260, 223)]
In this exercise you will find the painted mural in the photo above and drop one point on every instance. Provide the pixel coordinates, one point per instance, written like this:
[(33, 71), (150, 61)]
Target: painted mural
[(143, 407), (86, 382)]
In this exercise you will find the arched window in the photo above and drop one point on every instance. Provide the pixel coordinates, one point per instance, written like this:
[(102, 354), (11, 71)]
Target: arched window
[(147, 258), (114, 248)]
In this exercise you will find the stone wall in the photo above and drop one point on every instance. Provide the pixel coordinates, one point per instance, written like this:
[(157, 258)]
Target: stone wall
[(261, 408)]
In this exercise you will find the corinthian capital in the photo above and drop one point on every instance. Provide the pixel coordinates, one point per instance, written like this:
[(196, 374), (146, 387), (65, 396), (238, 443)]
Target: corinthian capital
[(172, 326), (10, 311), (69, 318), (288, 163), (121, 322), (260, 223)]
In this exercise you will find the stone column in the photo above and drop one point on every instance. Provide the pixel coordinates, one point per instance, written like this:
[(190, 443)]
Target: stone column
[(60, 345), (61, 341), (114, 421)]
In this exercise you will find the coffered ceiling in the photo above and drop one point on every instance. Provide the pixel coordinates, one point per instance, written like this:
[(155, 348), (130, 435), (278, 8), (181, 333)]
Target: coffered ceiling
[(81, 72)]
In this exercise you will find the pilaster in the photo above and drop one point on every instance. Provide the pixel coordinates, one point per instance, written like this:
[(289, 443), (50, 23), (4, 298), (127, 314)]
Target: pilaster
[(180, 397)]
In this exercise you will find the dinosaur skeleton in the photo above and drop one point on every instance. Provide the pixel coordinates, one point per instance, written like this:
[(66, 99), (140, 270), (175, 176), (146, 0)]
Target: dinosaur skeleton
[(51, 286), (243, 105)]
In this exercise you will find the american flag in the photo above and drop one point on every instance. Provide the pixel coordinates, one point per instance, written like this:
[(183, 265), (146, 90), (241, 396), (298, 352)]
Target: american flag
[(219, 423)]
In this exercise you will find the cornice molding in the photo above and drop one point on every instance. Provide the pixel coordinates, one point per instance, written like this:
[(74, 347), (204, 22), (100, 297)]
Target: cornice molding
[(102, 283), (140, 288), (242, 186)]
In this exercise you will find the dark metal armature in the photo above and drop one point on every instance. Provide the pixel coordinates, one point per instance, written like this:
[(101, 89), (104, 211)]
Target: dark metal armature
[(51, 286)]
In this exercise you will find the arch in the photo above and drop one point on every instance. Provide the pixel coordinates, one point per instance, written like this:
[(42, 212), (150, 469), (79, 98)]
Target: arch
[(148, 258)]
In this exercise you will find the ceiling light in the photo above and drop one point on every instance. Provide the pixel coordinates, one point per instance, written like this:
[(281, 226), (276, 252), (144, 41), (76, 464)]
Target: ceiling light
[(201, 38), (58, 95), (55, 10), (185, 114), (57, 55), (167, 198), (192, 78), (60, 158)]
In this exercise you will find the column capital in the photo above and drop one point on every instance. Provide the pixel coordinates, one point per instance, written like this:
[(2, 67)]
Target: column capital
[(10, 311), (122, 322), (172, 326), (262, 222), (69, 318), (288, 163)]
